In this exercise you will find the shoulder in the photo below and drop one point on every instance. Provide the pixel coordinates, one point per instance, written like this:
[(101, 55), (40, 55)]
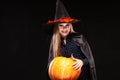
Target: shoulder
[(76, 35), (78, 38)]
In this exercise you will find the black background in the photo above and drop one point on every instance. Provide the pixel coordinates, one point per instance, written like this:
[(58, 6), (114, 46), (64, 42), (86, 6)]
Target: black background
[(25, 44)]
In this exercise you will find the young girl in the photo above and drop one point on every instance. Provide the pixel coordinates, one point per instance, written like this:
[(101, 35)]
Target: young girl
[(66, 42)]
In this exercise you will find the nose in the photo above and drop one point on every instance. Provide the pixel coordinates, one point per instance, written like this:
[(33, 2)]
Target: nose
[(64, 27)]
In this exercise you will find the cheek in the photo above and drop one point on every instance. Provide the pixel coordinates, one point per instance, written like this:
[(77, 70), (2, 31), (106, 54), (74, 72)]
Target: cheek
[(69, 30), (60, 31)]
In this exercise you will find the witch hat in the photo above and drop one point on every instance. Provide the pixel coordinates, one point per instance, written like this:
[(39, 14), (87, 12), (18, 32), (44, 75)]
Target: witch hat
[(61, 14)]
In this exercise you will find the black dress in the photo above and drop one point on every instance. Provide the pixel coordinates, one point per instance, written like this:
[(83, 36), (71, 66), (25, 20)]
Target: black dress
[(71, 48)]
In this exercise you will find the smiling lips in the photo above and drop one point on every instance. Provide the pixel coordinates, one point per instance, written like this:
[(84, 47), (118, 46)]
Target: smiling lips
[(64, 31)]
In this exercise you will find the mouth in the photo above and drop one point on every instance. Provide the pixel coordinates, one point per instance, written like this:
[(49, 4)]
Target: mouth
[(64, 32)]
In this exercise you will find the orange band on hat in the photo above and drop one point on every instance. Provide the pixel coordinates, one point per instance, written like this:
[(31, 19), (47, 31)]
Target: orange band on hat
[(66, 19)]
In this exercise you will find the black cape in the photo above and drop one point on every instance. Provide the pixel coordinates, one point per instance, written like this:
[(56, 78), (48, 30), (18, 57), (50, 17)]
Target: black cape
[(84, 46)]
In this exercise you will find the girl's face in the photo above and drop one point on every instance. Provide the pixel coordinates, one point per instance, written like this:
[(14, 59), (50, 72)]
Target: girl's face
[(64, 29)]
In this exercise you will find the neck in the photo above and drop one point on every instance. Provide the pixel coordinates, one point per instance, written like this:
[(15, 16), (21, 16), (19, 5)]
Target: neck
[(64, 39)]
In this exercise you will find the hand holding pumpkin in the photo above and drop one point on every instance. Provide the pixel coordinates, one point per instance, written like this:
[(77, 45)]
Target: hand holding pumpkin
[(61, 68), (77, 65)]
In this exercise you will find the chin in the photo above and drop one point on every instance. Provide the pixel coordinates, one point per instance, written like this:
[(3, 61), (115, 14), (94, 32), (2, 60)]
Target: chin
[(64, 35)]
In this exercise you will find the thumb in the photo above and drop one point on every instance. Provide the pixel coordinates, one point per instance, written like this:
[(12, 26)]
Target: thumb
[(72, 57)]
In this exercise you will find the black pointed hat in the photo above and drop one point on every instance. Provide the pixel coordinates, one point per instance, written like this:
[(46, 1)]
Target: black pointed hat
[(61, 14)]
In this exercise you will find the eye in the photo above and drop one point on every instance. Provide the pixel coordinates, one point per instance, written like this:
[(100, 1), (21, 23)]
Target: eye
[(63, 25), (67, 25), (60, 26)]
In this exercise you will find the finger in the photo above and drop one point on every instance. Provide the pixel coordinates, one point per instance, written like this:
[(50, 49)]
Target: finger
[(76, 64), (78, 61), (77, 67), (73, 57)]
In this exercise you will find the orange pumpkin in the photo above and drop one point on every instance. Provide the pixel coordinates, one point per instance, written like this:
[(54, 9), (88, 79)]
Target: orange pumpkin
[(61, 68)]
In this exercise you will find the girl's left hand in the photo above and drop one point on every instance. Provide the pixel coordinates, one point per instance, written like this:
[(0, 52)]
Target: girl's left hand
[(77, 65)]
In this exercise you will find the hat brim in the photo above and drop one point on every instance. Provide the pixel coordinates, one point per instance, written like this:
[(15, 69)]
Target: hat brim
[(50, 24), (63, 20)]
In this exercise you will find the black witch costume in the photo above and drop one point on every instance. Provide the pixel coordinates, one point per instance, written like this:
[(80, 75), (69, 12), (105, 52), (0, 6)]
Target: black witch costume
[(79, 47), (76, 45)]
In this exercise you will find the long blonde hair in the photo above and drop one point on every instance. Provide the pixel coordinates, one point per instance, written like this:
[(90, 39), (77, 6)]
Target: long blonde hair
[(56, 40)]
